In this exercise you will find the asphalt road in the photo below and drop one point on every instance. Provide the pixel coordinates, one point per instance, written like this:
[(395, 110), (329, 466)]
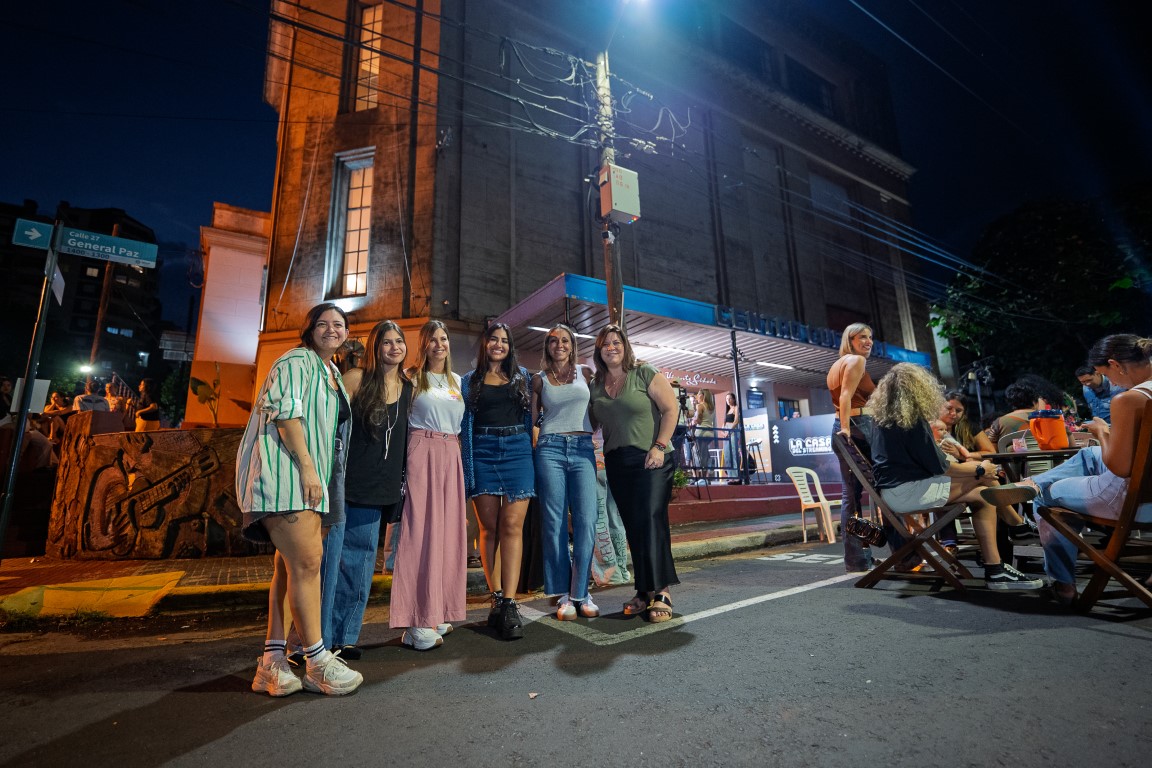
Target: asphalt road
[(774, 659)]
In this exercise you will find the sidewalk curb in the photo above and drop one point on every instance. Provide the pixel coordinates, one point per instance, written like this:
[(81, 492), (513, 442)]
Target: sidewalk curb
[(255, 594)]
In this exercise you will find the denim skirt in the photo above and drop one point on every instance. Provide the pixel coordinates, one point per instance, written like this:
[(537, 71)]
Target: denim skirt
[(502, 466)]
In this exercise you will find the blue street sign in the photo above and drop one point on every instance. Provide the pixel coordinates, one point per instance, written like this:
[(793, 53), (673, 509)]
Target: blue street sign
[(97, 246), (32, 234)]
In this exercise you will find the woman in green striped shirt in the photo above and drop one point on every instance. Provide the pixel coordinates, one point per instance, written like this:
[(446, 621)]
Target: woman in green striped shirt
[(283, 467)]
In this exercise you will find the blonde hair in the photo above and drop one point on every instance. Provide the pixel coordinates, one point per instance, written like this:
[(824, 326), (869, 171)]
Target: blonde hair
[(418, 373), (708, 400), (907, 395), (850, 333)]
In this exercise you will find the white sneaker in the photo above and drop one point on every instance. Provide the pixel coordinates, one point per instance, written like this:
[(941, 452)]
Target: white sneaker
[(589, 609), (443, 629), (565, 611), (275, 679), (421, 638), (332, 677)]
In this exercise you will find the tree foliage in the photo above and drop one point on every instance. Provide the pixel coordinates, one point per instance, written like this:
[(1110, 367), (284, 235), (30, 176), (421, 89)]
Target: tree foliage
[(1056, 276)]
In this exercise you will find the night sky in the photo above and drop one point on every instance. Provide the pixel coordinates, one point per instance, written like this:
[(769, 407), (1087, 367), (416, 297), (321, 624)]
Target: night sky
[(157, 107)]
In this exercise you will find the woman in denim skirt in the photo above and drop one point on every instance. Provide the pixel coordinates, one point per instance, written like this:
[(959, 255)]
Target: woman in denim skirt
[(496, 447), (565, 473)]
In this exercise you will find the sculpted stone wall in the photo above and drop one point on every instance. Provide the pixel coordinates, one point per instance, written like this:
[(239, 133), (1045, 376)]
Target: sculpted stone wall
[(146, 495)]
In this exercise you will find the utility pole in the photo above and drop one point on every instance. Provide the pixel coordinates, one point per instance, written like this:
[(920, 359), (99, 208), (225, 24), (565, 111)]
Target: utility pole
[(29, 381), (102, 309), (604, 119)]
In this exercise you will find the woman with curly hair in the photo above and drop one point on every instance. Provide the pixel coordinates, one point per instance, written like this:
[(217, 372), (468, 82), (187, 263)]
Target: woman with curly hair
[(496, 443), (912, 474)]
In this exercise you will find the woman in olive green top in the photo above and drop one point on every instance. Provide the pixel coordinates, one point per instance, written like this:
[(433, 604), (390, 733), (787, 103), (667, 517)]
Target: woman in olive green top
[(634, 405)]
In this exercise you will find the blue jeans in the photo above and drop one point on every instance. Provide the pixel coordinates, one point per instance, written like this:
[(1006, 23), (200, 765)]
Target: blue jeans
[(346, 574), (857, 556), (1082, 484), (566, 482)]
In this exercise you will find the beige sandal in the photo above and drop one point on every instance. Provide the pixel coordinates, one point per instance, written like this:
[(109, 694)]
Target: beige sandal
[(660, 609)]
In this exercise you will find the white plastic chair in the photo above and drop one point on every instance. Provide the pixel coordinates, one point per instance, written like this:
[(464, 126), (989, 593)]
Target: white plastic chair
[(806, 481)]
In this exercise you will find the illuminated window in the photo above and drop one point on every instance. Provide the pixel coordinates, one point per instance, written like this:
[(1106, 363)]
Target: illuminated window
[(352, 223), (92, 271), (367, 57)]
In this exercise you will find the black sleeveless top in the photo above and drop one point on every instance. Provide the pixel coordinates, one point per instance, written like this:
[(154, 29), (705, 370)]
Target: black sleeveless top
[(376, 465)]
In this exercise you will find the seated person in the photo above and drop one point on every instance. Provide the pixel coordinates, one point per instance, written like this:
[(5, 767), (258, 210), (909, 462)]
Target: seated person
[(1022, 399), (912, 474), (1095, 480)]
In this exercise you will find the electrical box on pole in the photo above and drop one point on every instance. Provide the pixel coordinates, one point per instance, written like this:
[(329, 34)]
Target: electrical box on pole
[(619, 194)]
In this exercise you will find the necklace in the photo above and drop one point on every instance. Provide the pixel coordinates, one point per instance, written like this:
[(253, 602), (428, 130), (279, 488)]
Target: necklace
[(567, 378), (390, 419), (612, 384), (440, 380)]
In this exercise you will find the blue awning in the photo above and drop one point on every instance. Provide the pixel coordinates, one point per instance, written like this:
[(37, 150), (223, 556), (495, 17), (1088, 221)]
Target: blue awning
[(683, 334)]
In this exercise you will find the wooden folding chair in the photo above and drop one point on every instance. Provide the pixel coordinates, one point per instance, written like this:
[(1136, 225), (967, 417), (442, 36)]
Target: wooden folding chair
[(942, 564), (1121, 544)]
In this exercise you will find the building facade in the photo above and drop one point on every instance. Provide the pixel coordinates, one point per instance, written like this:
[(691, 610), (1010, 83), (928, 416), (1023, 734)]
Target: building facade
[(439, 158)]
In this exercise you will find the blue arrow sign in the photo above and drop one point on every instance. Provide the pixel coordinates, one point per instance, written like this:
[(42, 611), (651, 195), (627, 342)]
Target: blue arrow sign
[(94, 245), (32, 234)]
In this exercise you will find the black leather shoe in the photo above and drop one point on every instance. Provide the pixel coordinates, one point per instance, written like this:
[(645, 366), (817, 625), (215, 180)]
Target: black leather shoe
[(494, 613), (348, 652), (511, 628)]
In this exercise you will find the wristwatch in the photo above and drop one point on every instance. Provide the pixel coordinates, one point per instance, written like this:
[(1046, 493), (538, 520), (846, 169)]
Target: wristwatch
[(660, 445), (980, 471)]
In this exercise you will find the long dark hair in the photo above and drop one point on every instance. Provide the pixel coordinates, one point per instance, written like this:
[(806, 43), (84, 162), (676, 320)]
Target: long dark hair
[(370, 404), (1121, 347), (962, 429), (312, 318), (510, 367)]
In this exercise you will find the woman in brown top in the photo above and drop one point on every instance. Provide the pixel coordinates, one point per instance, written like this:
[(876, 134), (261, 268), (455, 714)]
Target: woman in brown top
[(851, 386)]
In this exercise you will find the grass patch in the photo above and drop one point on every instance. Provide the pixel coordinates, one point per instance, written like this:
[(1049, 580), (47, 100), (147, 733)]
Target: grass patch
[(25, 621)]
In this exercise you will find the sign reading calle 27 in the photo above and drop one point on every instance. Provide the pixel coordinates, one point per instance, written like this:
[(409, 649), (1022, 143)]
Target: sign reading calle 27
[(79, 242)]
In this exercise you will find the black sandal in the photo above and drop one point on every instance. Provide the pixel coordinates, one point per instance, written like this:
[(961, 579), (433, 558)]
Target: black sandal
[(636, 606)]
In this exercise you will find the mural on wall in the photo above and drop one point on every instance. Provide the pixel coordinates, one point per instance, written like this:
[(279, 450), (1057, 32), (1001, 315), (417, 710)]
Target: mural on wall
[(219, 394), (147, 495)]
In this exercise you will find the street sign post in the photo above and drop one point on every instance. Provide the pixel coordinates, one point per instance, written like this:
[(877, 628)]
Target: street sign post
[(94, 245)]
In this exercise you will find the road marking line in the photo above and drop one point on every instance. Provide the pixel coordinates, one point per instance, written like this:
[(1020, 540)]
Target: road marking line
[(587, 631)]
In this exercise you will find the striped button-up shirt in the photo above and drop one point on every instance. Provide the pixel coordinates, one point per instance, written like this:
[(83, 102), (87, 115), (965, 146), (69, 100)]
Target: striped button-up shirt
[(267, 478)]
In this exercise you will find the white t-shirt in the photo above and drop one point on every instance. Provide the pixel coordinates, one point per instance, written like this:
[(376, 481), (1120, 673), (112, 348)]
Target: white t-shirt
[(440, 408)]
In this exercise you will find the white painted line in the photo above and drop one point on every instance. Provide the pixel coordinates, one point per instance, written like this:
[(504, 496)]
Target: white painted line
[(586, 630)]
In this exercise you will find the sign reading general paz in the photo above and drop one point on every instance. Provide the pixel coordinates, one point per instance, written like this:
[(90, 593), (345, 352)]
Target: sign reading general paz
[(79, 242)]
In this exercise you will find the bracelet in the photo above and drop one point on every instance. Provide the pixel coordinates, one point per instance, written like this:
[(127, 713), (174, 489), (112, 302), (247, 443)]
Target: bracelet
[(660, 445)]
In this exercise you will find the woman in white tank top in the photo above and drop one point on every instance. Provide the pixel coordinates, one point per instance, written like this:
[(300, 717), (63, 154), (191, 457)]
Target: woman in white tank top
[(1095, 481), (565, 473)]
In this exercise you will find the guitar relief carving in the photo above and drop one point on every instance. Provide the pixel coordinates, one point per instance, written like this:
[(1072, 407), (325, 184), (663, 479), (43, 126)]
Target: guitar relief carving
[(116, 513)]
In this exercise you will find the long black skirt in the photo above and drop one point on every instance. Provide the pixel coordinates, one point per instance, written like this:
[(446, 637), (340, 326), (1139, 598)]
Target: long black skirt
[(642, 495)]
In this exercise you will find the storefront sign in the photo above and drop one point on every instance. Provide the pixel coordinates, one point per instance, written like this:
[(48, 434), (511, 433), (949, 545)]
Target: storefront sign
[(803, 442)]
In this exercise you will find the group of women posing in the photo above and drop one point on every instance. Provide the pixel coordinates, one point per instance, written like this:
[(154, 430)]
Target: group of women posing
[(325, 459)]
